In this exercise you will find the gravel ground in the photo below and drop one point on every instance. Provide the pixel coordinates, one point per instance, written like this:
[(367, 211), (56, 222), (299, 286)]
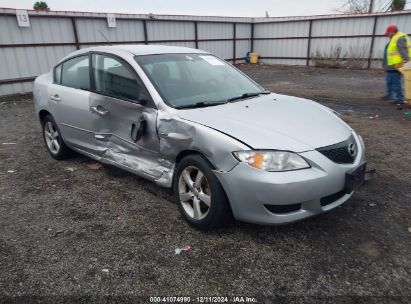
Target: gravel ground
[(76, 231)]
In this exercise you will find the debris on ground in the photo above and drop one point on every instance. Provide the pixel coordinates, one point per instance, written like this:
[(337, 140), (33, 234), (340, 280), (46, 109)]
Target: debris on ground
[(8, 143), (409, 229), (407, 114), (185, 248), (372, 205), (70, 169), (44, 179), (369, 249), (10, 171), (105, 270), (52, 233), (373, 117), (94, 166)]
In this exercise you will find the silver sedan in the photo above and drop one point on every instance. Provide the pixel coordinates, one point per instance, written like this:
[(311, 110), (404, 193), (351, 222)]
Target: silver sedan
[(186, 119)]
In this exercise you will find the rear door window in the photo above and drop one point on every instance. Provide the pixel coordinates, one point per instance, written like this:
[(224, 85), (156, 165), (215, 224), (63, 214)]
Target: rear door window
[(75, 73)]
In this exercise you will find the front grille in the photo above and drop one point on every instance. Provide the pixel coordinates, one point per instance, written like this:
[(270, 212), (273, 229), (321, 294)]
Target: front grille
[(339, 153)]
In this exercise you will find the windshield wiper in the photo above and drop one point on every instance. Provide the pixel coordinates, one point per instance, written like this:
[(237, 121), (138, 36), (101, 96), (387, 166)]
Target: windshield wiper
[(202, 104), (248, 95)]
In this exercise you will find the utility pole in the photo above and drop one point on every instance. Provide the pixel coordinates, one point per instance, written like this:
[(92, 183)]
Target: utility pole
[(371, 6)]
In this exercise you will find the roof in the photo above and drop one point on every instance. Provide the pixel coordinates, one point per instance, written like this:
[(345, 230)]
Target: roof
[(138, 49), (155, 49)]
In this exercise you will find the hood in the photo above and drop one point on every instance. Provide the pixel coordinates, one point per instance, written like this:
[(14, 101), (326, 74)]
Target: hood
[(274, 122)]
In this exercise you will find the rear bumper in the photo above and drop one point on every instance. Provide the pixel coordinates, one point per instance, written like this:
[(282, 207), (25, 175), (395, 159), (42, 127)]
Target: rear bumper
[(274, 198)]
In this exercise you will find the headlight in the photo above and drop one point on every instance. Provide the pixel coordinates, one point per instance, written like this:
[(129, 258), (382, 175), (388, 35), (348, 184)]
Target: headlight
[(273, 161)]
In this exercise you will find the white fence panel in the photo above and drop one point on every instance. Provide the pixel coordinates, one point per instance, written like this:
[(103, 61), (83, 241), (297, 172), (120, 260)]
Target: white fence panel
[(41, 30), (403, 22), (343, 27), (347, 47), (243, 31), (215, 30), (16, 88), (281, 30), (281, 48), (222, 49), (242, 47), (170, 30), (96, 30), (30, 61)]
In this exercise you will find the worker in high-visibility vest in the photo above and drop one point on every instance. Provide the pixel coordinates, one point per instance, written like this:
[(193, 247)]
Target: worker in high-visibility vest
[(397, 52)]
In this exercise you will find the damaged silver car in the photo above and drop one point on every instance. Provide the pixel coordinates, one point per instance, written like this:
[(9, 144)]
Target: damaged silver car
[(186, 119)]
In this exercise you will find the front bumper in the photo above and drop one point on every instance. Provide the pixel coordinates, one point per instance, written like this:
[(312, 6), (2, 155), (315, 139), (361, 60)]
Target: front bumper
[(274, 198)]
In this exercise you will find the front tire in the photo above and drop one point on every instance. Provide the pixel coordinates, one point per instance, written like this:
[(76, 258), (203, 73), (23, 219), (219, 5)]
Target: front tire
[(53, 140), (199, 195)]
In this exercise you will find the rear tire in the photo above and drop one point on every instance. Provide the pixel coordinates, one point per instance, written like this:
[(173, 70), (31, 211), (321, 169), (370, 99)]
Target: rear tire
[(199, 195), (52, 137)]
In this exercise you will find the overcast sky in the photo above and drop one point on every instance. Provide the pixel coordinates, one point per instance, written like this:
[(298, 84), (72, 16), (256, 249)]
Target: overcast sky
[(253, 8)]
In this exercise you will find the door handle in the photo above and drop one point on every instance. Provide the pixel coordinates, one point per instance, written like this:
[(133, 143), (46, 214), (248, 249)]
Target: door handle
[(55, 97), (102, 137), (99, 110)]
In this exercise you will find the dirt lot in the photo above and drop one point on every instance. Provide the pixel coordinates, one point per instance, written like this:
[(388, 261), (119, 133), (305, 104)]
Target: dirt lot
[(72, 231)]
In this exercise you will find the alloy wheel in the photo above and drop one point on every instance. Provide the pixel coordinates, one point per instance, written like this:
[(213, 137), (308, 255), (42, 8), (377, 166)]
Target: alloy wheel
[(52, 136), (194, 192)]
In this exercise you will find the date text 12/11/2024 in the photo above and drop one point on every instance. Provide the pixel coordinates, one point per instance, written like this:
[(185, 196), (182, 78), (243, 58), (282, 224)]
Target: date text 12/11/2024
[(203, 299)]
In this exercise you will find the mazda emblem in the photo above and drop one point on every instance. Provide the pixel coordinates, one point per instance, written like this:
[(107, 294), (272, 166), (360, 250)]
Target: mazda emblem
[(352, 150)]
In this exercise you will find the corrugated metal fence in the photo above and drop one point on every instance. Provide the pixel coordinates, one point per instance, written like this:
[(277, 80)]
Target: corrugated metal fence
[(356, 39), (28, 52)]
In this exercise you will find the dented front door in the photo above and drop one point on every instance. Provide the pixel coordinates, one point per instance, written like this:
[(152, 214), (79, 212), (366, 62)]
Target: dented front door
[(126, 133), (124, 117)]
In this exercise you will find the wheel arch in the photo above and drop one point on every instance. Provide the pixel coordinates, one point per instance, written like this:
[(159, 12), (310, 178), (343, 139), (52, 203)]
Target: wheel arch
[(43, 113), (186, 153)]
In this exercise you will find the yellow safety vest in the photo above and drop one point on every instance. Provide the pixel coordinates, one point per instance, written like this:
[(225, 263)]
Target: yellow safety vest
[(393, 55)]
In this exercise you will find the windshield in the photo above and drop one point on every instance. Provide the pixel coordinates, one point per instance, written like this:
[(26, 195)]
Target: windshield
[(185, 80)]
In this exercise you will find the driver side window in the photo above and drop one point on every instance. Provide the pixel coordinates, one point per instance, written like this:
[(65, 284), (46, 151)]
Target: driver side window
[(114, 78)]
